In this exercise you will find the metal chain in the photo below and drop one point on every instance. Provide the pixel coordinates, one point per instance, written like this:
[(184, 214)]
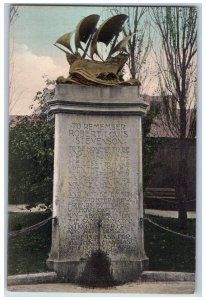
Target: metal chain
[(30, 228), (169, 230), (42, 223)]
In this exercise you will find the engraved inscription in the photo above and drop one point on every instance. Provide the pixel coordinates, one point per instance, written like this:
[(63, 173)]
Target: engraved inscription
[(99, 187), (98, 134)]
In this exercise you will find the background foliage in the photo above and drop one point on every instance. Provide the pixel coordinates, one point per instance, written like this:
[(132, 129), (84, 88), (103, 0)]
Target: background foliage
[(31, 162)]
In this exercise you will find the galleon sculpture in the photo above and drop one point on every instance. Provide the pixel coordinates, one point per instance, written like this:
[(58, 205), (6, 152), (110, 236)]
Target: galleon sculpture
[(87, 66)]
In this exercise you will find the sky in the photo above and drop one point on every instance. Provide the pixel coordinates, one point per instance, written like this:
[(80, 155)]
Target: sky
[(32, 51), (39, 26)]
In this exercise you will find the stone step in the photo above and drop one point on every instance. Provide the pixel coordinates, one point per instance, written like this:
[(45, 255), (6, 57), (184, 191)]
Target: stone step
[(167, 276), (33, 278)]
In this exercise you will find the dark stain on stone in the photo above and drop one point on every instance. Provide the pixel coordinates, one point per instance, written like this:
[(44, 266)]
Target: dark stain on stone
[(97, 271)]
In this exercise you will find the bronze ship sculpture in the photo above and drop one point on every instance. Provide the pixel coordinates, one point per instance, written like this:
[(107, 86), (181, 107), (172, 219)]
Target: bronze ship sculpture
[(87, 67)]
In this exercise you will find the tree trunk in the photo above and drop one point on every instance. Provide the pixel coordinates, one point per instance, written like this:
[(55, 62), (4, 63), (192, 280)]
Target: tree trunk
[(181, 186), (132, 68)]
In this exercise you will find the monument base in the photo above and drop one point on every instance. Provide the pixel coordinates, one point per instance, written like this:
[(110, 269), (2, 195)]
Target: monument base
[(120, 271)]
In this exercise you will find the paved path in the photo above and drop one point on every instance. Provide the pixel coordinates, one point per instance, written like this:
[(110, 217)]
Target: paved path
[(170, 214), (176, 287)]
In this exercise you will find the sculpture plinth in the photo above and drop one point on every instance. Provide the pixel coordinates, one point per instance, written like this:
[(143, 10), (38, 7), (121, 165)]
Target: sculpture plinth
[(97, 196)]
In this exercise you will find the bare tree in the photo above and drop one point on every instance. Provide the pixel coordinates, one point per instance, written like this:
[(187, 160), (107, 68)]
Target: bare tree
[(14, 95), (13, 13), (177, 60), (139, 45)]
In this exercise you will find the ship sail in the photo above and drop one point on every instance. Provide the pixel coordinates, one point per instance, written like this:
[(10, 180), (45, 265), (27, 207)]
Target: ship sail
[(121, 46), (85, 29), (64, 40), (110, 28)]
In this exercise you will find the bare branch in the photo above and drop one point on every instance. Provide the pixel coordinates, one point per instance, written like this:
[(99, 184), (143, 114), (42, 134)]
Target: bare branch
[(177, 27)]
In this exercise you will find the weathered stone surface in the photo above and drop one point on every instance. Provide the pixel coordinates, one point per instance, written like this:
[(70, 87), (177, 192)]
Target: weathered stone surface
[(97, 181), (32, 278)]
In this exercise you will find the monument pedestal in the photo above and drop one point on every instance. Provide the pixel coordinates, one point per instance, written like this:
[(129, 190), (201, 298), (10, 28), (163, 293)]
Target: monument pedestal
[(97, 196)]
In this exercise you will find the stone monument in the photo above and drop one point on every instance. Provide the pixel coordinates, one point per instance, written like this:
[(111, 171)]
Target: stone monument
[(97, 194)]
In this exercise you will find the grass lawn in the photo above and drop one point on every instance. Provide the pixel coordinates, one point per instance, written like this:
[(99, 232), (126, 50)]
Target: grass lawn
[(167, 251), (27, 253)]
